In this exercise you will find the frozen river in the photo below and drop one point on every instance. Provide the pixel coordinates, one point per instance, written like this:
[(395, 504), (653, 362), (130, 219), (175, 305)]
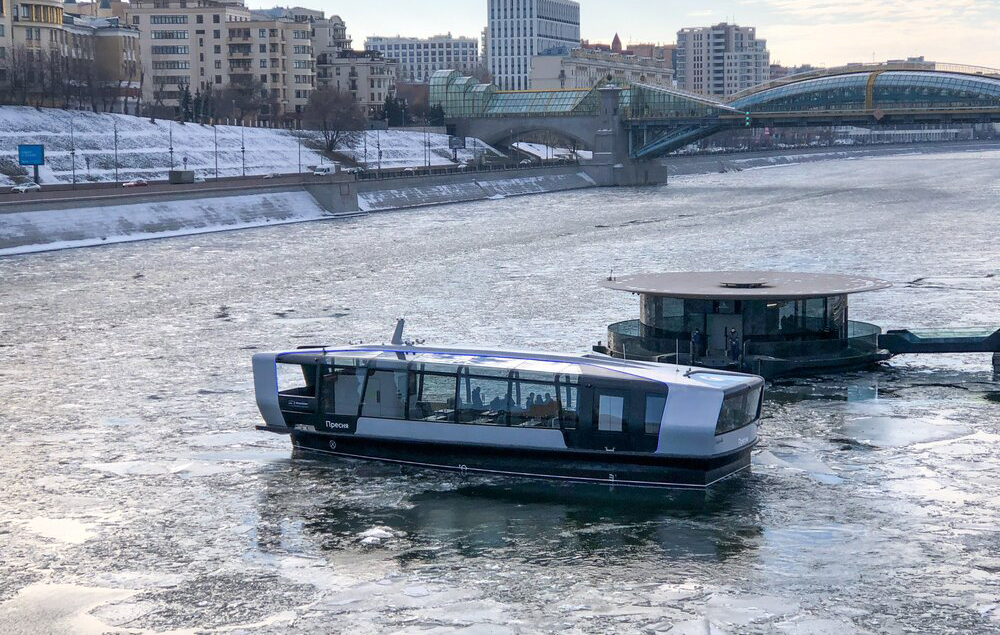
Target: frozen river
[(135, 495)]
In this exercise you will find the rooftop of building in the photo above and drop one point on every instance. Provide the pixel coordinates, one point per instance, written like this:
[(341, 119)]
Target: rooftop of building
[(745, 285)]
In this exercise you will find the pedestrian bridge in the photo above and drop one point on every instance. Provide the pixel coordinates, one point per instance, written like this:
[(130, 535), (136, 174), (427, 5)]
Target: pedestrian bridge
[(656, 120)]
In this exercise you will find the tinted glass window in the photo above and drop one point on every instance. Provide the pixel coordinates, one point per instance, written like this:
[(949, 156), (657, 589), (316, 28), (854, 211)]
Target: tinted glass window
[(484, 401), (385, 393), (610, 413), (296, 380), (342, 390), (738, 411), (654, 413), (535, 405), (432, 397), (568, 392)]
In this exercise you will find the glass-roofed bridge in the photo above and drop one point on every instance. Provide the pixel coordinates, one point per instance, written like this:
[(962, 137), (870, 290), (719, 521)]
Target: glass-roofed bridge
[(653, 121)]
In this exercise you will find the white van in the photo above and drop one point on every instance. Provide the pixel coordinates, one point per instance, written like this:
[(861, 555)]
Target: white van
[(325, 170)]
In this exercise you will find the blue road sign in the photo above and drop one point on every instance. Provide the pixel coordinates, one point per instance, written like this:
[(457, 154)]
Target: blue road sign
[(31, 154)]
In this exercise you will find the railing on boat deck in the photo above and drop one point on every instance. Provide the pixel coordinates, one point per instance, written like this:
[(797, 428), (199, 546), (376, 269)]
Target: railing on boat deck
[(624, 339)]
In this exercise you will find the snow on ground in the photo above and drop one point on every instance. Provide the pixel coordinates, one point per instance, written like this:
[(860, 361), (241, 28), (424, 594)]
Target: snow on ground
[(542, 151), (144, 147)]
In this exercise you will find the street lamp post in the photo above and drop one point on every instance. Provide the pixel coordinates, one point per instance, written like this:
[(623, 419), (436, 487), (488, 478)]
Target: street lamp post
[(170, 127), (72, 147), (299, 137), (243, 147), (114, 123), (216, 131)]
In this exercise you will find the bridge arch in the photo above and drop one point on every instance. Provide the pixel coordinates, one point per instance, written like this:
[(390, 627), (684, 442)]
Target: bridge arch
[(867, 90)]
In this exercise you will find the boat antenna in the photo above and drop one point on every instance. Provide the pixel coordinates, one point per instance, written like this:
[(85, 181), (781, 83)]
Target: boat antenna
[(397, 335)]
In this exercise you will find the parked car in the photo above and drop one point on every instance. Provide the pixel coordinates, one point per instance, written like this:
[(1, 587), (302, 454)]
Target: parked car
[(525, 162), (199, 178), (270, 176), (409, 170), (355, 170), (135, 183), (21, 188), (325, 170)]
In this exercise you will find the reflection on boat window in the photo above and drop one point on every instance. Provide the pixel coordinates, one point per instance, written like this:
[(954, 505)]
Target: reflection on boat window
[(385, 392), (534, 405), (654, 413), (611, 413), (342, 389), (483, 401), (568, 393), (295, 380), (739, 410), (432, 397)]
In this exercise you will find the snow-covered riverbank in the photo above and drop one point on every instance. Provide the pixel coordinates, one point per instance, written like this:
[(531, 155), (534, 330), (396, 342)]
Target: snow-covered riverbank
[(143, 147)]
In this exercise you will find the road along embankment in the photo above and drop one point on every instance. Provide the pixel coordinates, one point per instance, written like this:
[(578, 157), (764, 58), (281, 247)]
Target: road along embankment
[(83, 218)]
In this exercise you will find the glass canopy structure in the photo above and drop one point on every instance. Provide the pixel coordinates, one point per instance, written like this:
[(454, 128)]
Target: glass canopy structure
[(888, 90), (463, 97)]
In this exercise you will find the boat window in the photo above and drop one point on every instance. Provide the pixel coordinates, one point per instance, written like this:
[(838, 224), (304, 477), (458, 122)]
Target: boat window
[(610, 413), (739, 410), (342, 389), (483, 400), (296, 380), (654, 413), (535, 405), (385, 392), (568, 393), (432, 397)]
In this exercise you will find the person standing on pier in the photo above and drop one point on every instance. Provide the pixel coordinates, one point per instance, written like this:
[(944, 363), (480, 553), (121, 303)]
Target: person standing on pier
[(695, 345), (734, 345)]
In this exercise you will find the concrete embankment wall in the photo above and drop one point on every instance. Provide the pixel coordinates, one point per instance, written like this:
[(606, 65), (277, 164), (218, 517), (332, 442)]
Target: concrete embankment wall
[(67, 226), (104, 216), (406, 192), (730, 162)]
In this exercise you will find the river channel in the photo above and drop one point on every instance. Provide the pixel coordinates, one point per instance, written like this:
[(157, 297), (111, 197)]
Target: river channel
[(136, 496)]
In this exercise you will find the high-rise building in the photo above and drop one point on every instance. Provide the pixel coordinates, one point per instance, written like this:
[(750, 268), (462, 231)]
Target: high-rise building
[(721, 60), (419, 58), (521, 29)]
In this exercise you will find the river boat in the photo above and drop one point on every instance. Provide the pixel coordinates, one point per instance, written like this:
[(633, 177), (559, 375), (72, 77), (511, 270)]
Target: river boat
[(528, 414)]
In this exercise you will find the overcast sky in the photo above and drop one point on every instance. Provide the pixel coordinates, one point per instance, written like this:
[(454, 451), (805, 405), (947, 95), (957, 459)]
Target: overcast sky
[(821, 32)]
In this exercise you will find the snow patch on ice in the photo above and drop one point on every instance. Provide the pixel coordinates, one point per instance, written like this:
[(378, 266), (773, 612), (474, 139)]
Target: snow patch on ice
[(62, 529)]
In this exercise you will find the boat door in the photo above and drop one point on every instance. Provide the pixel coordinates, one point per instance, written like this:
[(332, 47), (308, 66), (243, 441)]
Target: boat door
[(604, 421)]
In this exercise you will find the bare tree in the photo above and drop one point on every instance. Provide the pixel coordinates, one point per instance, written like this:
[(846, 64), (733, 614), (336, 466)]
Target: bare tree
[(334, 113)]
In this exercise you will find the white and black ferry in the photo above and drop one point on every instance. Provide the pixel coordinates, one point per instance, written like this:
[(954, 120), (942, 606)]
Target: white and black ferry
[(586, 418)]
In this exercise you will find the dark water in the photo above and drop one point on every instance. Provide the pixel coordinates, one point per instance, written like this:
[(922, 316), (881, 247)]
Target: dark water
[(136, 496)]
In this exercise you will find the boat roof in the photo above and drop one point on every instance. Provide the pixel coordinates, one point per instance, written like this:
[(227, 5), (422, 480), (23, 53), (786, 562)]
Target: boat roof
[(744, 285), (593, 365)]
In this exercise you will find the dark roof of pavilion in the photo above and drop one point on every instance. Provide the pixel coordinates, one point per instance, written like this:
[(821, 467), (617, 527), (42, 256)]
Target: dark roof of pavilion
[(744, 285)]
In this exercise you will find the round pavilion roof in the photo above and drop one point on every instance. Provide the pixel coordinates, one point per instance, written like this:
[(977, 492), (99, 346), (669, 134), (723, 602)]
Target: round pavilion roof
[(744, 285)]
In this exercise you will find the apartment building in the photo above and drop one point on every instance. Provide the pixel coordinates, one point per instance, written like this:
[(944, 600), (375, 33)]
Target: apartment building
[(418, 58), (6, 38), (521, 29), (721, 60), (585, 68), (367, 75), (277, 53), (52, 57)]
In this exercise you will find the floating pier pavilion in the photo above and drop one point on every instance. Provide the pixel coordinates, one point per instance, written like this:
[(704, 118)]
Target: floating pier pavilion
[(768, 323)]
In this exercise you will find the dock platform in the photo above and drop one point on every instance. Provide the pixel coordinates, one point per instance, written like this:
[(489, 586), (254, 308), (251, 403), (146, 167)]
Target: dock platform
[(953, 340)]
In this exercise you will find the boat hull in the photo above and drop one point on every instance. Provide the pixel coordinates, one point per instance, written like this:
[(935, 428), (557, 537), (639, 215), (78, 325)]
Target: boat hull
[(614, 468)]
